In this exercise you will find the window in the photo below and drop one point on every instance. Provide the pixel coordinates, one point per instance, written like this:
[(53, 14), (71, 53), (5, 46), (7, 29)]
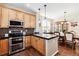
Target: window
[(46, 25)]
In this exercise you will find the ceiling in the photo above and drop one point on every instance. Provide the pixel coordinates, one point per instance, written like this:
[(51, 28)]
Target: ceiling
[(54, 10)]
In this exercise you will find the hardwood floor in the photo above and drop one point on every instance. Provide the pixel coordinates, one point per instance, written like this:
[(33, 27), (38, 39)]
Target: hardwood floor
[(28, 52), (66, 51), (63, 51)]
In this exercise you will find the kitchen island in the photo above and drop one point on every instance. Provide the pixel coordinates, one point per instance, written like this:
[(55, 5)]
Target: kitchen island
[(46, 44)]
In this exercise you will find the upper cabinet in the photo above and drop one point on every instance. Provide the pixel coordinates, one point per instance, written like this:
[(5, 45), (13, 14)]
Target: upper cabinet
[(30, 21), (26, 21), (15, 15), (33, 21), (4, 17), (12, 14), (7, 14), (20, 16)]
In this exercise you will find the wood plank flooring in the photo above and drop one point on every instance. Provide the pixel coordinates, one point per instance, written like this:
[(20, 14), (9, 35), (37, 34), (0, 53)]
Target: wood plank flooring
[(28, 52), (63, 51)]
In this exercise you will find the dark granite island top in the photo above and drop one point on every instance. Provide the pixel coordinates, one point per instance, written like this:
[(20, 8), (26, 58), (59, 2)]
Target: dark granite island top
[(46, 36)]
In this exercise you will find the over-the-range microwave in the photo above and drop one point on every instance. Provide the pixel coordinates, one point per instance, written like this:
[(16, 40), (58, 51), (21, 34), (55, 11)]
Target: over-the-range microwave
[(15, 23)]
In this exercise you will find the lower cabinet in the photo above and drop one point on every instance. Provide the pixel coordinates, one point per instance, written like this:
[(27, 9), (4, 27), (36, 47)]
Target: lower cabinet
[(3, 46), (38, 44), (41, 46), (34, 42), (28, 41)]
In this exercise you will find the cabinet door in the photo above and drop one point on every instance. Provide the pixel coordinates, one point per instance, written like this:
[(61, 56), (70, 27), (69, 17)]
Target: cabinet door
[(4, 47), (20, 15), (41, 46), (26, 21), (33, 42), (0, 15), (27, 41), (4, 18), (12, 14), (33, 21)]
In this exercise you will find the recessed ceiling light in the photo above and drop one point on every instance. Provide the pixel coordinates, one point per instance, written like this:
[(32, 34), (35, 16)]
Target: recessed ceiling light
[(28, 5)]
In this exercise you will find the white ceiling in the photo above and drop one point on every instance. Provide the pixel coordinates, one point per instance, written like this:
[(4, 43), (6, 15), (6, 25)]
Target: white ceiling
[(54, 10)]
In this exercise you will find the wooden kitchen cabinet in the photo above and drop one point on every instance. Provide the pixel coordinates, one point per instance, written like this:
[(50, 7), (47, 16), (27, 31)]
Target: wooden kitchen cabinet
[(20, 16), (7, 14), (4, 18), (4, 47), (30, 21), (41, 46), (38, 44), (34, 42), (12, 14), (26, 21), (28, 41), (0, 14), (33, 21), (15, 15)]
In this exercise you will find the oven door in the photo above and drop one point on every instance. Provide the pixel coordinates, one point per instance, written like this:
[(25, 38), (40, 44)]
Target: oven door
[(15, 44), (16, 47), (17, 40)]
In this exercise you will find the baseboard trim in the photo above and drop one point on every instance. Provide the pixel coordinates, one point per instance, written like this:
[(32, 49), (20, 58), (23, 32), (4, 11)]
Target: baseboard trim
[(55, 53)]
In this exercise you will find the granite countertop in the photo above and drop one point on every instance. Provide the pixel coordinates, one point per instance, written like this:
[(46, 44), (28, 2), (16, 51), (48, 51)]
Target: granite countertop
[(46, 36), (43, 36)]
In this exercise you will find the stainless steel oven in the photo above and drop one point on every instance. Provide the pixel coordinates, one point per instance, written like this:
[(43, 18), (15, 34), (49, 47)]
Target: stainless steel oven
[(16, 41)]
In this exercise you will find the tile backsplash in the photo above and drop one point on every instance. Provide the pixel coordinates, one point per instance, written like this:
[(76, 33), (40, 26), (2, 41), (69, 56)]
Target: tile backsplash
[(29, 31), (6, 30)]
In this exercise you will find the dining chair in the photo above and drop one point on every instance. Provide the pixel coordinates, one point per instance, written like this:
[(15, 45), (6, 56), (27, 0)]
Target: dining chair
[(73, 32), (61, 37), (69, 40)]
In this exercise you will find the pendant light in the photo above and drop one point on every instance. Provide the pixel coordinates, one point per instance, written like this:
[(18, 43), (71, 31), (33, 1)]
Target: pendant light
[(45, 10), (65, 16), (39, 18), (45, 20), (39, 14)]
